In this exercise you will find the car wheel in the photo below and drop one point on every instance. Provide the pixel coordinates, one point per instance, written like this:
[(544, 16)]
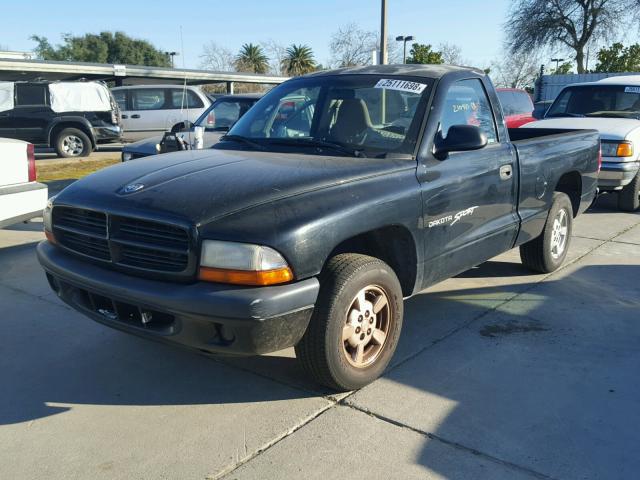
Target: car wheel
[(547, 252), (355, 325), (629, 196), (72, 142)]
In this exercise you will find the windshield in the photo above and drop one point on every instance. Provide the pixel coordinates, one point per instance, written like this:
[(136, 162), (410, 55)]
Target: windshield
[(365, 115), (223, 113), (515, 103), (597, 101)]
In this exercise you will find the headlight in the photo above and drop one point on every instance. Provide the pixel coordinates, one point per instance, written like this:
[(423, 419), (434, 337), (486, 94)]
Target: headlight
[(46, 220), (242, 264), (126, 156), (617, 149)]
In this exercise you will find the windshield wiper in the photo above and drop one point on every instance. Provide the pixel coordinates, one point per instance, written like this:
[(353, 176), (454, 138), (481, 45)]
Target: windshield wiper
[(310, 142), (564, 114), (245, 140)]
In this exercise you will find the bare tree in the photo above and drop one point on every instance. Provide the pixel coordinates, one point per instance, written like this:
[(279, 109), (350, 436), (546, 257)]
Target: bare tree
[(451, 54), (276, 53), (350, 45), (571, 24), (515, 71), (217, 58)]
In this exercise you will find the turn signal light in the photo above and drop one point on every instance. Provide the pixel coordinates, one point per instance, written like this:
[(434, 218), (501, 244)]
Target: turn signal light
[(246, 277), (50, 236), (624, 150)]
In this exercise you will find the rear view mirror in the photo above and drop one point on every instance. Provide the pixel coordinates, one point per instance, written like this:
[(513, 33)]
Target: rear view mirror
[(459, 138), (184, 126)]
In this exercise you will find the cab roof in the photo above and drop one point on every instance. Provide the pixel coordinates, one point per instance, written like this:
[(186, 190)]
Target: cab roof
[(426, 71)]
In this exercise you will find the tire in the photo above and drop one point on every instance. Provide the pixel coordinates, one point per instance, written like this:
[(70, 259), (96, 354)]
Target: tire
[(546, 253), (629, 196), (352, 287), (71, 142)]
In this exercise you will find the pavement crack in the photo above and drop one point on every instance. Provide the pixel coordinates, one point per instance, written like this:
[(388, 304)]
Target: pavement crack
[(450, 443), (231, 468)]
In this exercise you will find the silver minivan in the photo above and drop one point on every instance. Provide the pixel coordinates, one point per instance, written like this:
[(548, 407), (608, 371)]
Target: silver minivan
[(149, 110)]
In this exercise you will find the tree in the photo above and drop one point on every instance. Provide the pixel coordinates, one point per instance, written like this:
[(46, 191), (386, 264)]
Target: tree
[(298, 60), (252, 59), (421, 53), (573, 24), (276, 53), (515, 71), (451, 54), (350, 45), (618, 58), (562, 69), (106, 47), (217, 58)]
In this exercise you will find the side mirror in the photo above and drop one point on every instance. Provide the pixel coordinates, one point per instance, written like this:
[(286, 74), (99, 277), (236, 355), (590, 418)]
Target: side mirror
[(184, 126), (460, 138)]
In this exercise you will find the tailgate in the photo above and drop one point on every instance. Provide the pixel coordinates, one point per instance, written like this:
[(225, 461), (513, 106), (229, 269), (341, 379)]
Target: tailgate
[(14, 166)]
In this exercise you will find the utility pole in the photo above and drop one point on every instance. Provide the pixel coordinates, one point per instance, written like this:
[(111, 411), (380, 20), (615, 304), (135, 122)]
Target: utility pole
[(383, 33)]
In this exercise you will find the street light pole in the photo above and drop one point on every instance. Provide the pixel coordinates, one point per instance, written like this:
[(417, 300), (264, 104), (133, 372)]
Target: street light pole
[(171, 54), (404, 39), (557, 60), (383, 33)]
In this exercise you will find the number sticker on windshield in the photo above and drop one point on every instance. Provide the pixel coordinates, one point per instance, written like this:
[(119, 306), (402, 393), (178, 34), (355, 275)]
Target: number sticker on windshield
[(402, 85), (631, 89)]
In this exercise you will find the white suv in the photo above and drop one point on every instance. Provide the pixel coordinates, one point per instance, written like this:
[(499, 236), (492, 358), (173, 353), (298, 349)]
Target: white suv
[(149, 110)]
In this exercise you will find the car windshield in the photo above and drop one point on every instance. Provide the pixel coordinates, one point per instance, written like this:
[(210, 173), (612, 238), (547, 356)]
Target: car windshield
[(223, 114), (597, 101), (362, 115)]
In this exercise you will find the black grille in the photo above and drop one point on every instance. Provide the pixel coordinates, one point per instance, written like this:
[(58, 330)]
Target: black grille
[(129, 242)]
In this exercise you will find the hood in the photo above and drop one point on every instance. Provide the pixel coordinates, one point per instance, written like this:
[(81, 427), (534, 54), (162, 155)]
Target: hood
[(148, 145), (200, 186), (609, 128)]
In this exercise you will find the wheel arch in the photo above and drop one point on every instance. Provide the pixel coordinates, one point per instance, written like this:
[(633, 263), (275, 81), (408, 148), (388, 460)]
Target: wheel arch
[(570, 184), (80, 123), (393, 244)]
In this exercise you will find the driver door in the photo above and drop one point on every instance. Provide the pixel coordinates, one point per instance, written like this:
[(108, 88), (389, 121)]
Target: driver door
[(469, 198)]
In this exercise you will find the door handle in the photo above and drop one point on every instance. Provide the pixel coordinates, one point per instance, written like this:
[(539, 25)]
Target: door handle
[(506, 172), (135, 116), (125, 116)]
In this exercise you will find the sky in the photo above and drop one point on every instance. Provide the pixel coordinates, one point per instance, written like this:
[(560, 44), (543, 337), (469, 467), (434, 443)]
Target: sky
[(474, 25)]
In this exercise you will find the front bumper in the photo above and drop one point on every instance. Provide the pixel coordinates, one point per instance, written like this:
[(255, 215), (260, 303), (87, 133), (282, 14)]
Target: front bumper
[(615, 175), (212, 318)]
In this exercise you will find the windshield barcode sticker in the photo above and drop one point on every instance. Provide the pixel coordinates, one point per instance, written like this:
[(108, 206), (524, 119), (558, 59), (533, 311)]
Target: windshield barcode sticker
[(631, 89), (402, 85)]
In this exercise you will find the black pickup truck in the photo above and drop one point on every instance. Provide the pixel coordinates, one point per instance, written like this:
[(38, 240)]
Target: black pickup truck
[(312, 220)]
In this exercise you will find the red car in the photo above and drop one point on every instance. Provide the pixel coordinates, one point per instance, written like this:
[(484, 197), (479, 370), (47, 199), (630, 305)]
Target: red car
[(516, 106)]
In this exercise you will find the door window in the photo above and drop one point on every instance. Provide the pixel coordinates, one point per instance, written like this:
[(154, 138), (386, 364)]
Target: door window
[(148, 99), (466, 103), (121, 98), (183, 99), (27, 94)]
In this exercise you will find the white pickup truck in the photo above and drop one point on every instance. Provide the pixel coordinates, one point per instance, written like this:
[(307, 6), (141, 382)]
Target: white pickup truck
[(21, 197), (611, 106)]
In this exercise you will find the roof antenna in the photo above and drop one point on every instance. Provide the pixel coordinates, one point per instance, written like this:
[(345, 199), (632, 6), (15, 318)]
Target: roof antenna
[(185, 98)]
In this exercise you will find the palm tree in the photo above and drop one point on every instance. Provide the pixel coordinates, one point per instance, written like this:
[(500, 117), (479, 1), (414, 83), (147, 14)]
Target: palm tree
[(298, 60), (252, 59)]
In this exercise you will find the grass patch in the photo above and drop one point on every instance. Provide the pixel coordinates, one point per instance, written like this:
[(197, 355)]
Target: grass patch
[(72, 169)]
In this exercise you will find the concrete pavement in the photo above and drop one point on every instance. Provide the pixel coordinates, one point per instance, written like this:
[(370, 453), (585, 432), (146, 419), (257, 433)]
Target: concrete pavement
[(499, 374)]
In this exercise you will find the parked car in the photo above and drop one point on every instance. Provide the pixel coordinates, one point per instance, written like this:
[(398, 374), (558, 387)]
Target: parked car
[(71, 117), (611, 106), (517, 106), (21, 197), (216, 121), (149, 110), (309, 223)]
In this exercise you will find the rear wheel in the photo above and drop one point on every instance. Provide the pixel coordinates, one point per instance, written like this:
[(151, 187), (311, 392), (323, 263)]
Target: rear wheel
[(72, 142), (629, 196), (356, 324), (547, 252)]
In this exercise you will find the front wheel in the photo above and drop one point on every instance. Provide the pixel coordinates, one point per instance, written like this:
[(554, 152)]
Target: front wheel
[(629, 196), (356, 324), (546, 253)]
